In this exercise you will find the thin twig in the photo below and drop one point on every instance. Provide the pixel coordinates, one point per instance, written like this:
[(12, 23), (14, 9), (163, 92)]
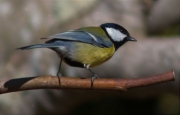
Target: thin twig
[(52, 82)]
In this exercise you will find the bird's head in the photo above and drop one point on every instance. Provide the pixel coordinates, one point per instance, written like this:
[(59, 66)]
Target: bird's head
[(117, 34)]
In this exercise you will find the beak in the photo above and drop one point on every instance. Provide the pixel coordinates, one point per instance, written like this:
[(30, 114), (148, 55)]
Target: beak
[(131, 39)]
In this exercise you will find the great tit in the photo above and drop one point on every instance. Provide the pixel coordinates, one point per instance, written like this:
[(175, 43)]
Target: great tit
[(86, 47)]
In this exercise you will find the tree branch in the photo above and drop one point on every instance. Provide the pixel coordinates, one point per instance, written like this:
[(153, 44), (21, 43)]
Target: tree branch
[(52, 82)]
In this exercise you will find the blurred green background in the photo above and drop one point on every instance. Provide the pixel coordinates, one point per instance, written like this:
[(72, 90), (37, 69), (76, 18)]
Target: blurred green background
[(154, 23)]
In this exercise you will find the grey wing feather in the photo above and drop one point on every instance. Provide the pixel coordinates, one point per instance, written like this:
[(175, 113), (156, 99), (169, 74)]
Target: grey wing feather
[(38, 46), (79, 36)]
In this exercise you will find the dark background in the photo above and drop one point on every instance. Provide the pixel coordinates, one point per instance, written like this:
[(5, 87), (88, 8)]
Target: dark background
[(154, 23)]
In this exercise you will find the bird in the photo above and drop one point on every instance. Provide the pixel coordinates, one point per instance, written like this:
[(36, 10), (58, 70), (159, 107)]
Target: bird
[(86, 47)]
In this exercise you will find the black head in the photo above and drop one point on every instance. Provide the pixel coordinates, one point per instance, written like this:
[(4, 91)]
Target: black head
[(117, 34)]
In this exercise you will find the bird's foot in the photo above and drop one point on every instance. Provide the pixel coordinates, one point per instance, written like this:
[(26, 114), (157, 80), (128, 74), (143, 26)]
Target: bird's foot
[(93, 78), (59, 75)]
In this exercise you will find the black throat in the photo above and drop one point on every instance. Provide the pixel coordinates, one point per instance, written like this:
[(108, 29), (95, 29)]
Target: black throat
[(118, 44)]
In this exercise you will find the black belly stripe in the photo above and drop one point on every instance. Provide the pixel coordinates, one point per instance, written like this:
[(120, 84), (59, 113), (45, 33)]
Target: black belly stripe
[(73, 63)]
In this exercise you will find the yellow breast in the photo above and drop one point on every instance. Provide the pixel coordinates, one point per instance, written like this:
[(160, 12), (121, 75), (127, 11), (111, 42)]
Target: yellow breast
[(92, 55)]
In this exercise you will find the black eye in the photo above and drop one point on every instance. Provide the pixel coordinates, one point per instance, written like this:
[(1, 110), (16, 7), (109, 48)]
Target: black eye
[(122, 31)]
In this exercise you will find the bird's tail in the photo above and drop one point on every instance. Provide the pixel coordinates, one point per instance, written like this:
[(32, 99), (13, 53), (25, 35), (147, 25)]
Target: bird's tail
[(37, 46)]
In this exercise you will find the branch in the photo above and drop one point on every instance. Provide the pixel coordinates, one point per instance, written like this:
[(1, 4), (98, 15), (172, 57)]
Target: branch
[(52, 82)]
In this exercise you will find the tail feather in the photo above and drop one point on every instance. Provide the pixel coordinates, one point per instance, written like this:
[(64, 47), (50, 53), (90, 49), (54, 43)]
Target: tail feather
[(37, 46)]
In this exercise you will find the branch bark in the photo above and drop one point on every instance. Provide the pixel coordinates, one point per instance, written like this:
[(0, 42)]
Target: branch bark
[(52, 82)]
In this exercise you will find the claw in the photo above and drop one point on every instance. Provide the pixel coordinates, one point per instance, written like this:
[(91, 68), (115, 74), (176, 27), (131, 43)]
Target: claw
[(93, 78), (59, 75)]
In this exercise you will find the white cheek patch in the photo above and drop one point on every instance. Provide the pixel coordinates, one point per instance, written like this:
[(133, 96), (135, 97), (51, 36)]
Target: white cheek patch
[(116, 35)]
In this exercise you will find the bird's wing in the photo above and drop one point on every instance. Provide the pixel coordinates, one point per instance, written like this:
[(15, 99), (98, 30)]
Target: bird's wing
[(80, 36)]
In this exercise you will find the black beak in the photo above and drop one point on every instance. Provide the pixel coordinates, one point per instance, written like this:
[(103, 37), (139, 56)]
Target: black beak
[(131, 39)]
